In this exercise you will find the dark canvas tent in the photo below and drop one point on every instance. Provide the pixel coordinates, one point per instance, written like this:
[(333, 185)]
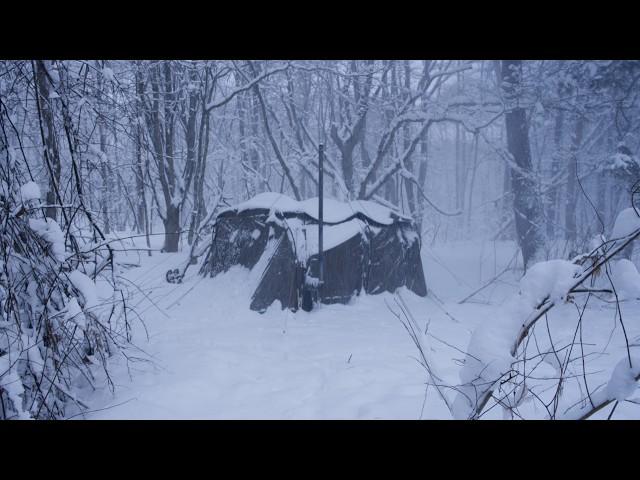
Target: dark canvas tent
[(367, 247)]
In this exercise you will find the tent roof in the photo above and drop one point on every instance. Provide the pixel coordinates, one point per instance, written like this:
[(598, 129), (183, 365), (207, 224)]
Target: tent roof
[(334, 211)]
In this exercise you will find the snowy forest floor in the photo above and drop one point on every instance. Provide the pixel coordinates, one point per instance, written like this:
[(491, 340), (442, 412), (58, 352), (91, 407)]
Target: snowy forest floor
[(213, 358)]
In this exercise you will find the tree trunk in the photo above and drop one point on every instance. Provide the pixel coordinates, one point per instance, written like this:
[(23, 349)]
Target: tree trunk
[(172, 203), (422, 176), (254, 156), (52, 156), (472, 182), (172, 229), (526, 203), (241, 108), (105, 195), (141, 217), (552, 206), (572, 176), (283, 164), (141, 166), (199, 207), (408, 183)]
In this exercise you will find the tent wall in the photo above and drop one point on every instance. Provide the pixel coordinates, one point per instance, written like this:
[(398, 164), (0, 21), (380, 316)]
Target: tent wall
[(414, 273), (344, 269), (282, 278), (395, 261), (378, 259), (237, 240)]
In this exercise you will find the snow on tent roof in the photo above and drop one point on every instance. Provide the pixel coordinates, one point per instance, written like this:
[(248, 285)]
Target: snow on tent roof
[(306, 236), (333, 235), (334, 211)]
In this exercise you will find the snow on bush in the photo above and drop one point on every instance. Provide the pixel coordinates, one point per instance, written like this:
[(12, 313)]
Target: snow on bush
[(626, 223), (625, 279), (623, 382), (30, 191), (75, 314), (108, 74), (492, 358), (551, 279), (622, 163), (489, 357), (54, 338), (86, 286), (621, 385), (49, 230)]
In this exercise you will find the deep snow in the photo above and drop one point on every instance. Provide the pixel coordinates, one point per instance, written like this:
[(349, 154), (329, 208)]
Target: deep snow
[(215, 358)]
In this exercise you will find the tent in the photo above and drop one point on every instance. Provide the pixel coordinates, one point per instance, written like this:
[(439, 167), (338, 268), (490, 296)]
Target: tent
[(367, 248)]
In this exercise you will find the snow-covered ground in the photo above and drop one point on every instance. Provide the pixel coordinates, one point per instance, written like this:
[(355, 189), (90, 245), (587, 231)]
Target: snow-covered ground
[(213, 358)]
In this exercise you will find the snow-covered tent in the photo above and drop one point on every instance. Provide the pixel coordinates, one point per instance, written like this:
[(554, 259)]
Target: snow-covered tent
[(367, 247)]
